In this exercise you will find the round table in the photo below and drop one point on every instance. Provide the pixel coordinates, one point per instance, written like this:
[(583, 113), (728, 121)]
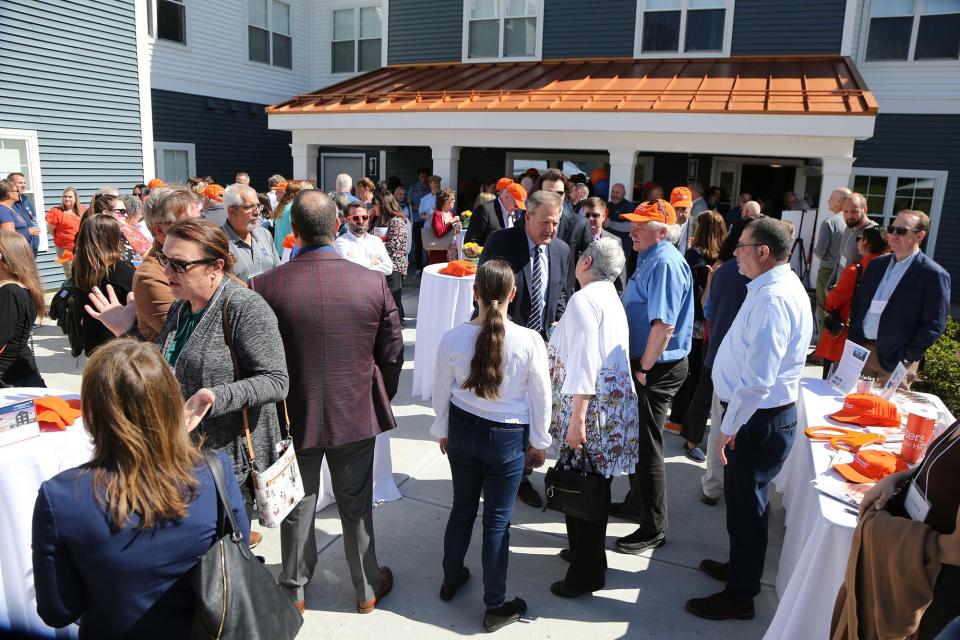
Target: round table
[(445, 301)]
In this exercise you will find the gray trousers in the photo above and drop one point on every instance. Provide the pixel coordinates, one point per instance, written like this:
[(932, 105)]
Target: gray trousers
[(712, 479), (351, 473)]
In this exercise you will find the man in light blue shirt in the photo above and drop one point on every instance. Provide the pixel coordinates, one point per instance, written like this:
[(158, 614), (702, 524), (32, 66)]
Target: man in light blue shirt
[(756, 376), (428, 202), (658, 301)]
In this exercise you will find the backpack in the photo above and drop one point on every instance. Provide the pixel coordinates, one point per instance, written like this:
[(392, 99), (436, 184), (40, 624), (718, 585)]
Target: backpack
[(67, 309)]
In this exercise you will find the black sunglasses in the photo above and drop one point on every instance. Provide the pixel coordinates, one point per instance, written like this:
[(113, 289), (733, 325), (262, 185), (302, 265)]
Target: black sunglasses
[(180, 266), (901, 231), (592, 214)]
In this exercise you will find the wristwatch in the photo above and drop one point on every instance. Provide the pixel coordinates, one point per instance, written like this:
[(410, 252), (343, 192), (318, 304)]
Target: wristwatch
[(644, 371)]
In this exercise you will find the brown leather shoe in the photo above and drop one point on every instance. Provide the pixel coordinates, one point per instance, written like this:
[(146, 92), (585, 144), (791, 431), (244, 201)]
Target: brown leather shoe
[(300, 605), (386, 584), (255, 539)]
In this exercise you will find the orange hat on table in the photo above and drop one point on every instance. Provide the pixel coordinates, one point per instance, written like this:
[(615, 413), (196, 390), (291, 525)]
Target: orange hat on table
[(656, 211), (155, 183), (503, 183), (867, 409), (519, 194), (871, 465), (681, 197), (214, 192)]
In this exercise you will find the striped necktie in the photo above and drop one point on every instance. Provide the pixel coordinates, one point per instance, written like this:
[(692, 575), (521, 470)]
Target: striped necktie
[(535, 321)]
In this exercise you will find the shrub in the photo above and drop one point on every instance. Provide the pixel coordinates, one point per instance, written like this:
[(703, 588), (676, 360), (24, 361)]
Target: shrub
[(941, 368)]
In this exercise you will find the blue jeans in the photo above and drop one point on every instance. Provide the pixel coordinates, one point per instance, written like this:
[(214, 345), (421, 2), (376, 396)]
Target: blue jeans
[(484, 456)]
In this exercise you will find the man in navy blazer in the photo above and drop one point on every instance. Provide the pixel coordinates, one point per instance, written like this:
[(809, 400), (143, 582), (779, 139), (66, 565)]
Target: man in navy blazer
[(901, 306), (497, 214)]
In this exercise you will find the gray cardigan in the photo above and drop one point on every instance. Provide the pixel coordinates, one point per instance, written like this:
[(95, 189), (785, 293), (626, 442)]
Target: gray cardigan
[(261, 382)]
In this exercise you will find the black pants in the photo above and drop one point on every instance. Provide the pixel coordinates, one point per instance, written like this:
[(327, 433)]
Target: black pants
[(695, 420), (761, 448), (419, 259), (246, 490), (684, 395), (395, 284), (588, 554), (647, 497), (945, 605)]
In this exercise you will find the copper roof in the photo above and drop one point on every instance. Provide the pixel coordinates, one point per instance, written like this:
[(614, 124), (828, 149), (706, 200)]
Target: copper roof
[(782, 85)]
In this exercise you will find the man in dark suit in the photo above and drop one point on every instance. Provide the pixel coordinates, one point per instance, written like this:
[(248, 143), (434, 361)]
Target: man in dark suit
[(540, 263), (573, 229), (595, 212), (901, 306), (340, 326), (497, 214)]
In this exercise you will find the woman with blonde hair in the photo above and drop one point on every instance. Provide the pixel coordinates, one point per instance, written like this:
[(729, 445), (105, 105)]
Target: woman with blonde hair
[(21, 301), (281, 220), (115, 541), (64, 221)]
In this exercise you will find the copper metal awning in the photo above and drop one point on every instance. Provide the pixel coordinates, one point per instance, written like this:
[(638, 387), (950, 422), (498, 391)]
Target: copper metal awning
[(805, 85)]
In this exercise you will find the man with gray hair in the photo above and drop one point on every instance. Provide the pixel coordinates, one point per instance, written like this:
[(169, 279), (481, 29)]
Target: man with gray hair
[(756, 376), (250, 243), (827, 248), (343, 184), (750, 209)]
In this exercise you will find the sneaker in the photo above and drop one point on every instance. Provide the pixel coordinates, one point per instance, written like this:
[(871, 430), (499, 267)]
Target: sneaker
[(507, 613), (694, 453), (639, 541)]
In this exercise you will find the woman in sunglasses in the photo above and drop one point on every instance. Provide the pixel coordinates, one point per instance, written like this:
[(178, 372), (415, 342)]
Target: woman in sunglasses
[(135, 244)]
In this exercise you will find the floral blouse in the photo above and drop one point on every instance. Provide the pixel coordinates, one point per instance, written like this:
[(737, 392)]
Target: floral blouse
[(588, 354), (396, 242)]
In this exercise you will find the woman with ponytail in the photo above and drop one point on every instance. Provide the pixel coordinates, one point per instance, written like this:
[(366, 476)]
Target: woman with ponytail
[(491, 395)]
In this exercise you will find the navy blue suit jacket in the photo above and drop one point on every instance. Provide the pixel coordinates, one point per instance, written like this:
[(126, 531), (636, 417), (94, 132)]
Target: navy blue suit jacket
[(915, 315)]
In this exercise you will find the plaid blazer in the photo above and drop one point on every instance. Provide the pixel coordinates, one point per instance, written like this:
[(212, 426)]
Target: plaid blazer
[(342, 337)]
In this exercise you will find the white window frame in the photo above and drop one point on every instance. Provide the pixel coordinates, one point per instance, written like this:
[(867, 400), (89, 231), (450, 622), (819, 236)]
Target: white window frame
[(152, 23), (269, 30), (384, 28), (35, 186), (918, 6), (680, 53), (189, 147), (501, 12), (936, 206)]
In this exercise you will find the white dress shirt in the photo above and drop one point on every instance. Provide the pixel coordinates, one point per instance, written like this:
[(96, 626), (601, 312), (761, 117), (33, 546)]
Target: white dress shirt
[(761, 358), (888, 284), (361, 250), (525, 394)]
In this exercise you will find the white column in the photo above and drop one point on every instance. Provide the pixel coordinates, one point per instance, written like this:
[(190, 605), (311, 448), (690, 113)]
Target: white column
[(836, 174), (305, 162), (446, 163), (622, 166)]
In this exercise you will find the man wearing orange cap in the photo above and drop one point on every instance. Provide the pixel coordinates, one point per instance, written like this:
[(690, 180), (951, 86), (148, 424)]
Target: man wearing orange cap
[(156, 183), (500, 213), (658, 300), (213, 209), (681, 201)]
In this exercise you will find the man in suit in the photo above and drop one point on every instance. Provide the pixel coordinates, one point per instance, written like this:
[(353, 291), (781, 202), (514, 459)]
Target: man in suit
[(901, 306), (573, 229), (340, 326), (541, 263), (497, 214), (595, 212)]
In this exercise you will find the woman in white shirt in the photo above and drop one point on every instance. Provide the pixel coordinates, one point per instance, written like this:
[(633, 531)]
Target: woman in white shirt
[(595, 420), (491, 395)]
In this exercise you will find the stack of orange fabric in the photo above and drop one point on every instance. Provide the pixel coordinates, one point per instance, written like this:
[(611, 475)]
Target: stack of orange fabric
[(459, 268), (55, 412)]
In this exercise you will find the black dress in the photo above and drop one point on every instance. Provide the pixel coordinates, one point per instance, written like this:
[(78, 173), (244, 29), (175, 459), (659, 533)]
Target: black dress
[(94, 333), (18, 368)]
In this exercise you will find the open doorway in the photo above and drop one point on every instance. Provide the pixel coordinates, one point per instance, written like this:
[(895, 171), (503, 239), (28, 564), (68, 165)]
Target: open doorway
[(767, 183)]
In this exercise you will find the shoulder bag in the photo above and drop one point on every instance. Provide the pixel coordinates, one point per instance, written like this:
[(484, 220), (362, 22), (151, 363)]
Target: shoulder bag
[(279, 487), (581, 493), (832, 321), (237, 596)]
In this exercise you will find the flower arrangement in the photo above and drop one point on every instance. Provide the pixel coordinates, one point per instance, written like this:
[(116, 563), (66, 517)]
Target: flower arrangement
[(472, 250), (465, 218)]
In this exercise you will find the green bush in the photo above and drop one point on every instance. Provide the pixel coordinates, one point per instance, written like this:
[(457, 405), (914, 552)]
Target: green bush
[(941, 368)]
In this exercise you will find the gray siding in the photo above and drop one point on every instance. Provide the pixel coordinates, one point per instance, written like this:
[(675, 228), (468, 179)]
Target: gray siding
[(229, 135), (604, 28), (425, 31), (70, 74), (902, 141), (771, 27)]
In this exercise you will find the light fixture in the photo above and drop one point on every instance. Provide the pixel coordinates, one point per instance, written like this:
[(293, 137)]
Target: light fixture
[(776, 166)]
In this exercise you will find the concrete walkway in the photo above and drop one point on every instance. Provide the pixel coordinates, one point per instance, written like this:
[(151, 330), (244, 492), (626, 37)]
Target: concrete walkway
[(644, 595)]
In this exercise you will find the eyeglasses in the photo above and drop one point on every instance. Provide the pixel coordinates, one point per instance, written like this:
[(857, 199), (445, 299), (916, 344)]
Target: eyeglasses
[(358, 218), (901, 231), (180, 266), (119, 212), (249, 207), (741, 245), (592, 214)]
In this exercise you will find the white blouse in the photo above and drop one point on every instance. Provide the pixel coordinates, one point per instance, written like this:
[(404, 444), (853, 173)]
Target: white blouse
[(524, 392)]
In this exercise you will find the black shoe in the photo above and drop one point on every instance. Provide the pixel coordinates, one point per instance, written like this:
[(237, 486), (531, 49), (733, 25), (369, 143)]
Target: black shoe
[(714, 569), (447, 591), (562, 589), (639, 541), (707, 499), (721, 606), (619, 510), (507, 613), (565, 554), (529, 495)]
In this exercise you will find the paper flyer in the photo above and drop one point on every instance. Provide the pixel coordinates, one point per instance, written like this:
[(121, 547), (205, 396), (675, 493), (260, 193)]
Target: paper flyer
[(847, 372), (894, 382)]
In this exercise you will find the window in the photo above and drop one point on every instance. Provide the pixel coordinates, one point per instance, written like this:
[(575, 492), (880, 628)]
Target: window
[(913, 30), (357, 40), (19, 153), (176, 161), (682, 27), (497, 29), (171, 20), (891, 190), (268, 33)]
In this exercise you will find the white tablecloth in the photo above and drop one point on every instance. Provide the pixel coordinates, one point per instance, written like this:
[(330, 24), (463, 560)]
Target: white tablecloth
[(23, 467), (445, 302), (384, 486)]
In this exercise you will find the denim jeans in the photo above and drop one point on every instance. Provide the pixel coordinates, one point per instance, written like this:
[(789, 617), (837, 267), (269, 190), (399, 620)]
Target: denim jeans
[(487, 457)]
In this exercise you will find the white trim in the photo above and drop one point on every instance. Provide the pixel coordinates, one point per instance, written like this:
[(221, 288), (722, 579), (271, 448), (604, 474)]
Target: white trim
[(269, 29), (849, 28), (156, 25), (189, 147), (35, 186), (918, 8), (501, 11), (356, 6), (144, 56), (323, 156), (680, 53)]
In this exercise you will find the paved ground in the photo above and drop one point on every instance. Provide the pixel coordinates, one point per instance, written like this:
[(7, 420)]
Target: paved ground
[(644, 596)]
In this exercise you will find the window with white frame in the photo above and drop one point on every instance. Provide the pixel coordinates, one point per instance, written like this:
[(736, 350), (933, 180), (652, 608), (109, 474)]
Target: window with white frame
[(357, 39), (19, 153), (268, 33), (498, 29), (913, 30), (167, 20), (891, 190), (683, 26), (176, 161)]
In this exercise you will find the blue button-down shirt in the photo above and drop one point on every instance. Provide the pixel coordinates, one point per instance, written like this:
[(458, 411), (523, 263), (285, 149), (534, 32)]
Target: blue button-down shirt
[(24, 207), (891, 278), (661, 289)]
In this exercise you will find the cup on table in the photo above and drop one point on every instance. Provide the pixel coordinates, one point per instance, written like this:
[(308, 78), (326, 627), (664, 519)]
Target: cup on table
[(919, 432), (865, 384)]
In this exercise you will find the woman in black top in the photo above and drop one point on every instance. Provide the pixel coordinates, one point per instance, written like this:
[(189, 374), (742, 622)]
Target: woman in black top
[(21, 298), (97, 262)]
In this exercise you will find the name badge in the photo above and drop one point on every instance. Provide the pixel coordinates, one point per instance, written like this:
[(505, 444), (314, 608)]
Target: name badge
[(877, 306), (843, 261), (917, 504)]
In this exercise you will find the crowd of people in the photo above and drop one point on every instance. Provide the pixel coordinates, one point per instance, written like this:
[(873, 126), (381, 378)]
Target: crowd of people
[(598, 324)]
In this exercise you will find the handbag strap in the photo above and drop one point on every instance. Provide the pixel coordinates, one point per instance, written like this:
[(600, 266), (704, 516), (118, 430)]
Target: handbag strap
[(223, 504), (286, 415), (228, 338)]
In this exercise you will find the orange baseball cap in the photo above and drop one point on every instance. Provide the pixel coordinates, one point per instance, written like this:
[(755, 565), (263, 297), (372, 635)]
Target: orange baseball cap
[(681, 197), (214, 192), (657, 211), (503, 183), (519, 194), (871, 465), (867, 409), (155, 183), (279, 187)]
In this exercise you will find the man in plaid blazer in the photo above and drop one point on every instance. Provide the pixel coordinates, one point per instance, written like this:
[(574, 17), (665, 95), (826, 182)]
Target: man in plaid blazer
[(342, 337)]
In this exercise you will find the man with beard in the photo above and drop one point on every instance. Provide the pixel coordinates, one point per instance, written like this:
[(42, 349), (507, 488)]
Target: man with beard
[(358, 246), (250, 243), (854, 211)]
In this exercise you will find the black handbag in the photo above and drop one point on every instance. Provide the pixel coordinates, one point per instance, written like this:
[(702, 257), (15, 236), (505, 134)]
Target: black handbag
[(832, 321), (237, 596), (581, 493)]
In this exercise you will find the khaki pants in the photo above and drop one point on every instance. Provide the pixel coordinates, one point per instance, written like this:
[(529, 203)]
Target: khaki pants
[(67, 266), (823, 278), (872, 368)]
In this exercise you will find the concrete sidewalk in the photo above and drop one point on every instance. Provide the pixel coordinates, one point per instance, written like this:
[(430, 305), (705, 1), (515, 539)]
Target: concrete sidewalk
[(644, 595)]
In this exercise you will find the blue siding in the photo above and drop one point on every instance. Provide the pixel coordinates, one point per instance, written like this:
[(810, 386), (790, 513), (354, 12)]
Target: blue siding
[(70, 74), (403, 162), (604, 28), (903, 141), (769, 27), (229, 135), (425, 31)]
